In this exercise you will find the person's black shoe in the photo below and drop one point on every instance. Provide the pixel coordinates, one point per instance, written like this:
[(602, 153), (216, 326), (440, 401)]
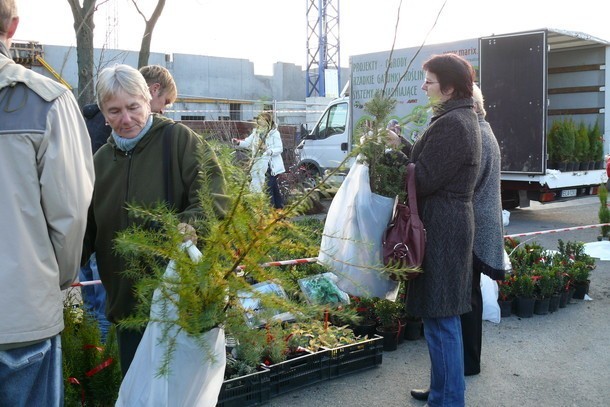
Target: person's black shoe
[(420, 394)]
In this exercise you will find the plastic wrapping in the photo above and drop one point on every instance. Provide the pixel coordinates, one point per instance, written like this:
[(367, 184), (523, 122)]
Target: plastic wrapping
[(351, 242), (489, 292), (196, 373)]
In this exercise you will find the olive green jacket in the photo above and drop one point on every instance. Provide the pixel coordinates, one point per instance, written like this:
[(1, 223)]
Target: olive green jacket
[(137, 177)]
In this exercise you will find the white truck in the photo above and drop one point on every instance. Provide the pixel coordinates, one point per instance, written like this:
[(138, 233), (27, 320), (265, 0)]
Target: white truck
[(529, 80)]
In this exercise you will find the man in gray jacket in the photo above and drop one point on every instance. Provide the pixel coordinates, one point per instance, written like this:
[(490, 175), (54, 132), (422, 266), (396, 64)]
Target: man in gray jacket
[(46, 179)]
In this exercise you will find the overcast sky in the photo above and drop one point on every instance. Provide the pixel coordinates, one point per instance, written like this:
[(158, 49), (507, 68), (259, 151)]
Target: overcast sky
[(268, 31)]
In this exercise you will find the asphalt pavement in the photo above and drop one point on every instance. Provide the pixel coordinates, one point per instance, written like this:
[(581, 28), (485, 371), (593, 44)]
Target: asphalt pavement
[(560, 359)]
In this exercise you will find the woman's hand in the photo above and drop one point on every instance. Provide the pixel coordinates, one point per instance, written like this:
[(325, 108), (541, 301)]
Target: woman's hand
[(188, 231)]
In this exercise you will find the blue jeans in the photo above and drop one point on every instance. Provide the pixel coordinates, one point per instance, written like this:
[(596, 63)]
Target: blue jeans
[(274, 191), (32, 375), (444, 338), (94, 296)]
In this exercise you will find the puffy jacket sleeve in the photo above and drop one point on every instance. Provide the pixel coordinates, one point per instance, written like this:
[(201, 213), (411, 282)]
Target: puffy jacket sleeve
[(274, 143), (66, 184)]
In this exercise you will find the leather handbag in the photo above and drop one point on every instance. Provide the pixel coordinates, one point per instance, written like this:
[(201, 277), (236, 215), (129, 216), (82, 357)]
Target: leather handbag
[(404, 240)]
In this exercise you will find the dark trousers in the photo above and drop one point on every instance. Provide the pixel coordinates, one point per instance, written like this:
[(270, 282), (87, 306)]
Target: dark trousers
[(274, 191), (472, 329), (128, 341)]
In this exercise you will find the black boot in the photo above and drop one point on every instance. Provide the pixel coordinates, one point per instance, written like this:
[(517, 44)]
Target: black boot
[(420, 394)]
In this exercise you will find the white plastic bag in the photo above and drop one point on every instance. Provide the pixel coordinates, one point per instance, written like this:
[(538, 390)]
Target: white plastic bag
[(505, 217), (351, 241), (508, 266), (194, 379), (489, 291)]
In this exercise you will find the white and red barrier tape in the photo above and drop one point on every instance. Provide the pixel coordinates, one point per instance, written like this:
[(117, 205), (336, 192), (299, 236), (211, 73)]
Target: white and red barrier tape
[(315, 259), (545, 232), (269, 264)]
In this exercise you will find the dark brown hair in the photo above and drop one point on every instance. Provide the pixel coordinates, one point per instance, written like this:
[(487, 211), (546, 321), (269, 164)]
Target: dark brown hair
[(453, 71)]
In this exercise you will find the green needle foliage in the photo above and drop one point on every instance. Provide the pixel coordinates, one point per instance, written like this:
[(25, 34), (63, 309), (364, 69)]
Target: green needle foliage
[(92, 374), (234, 246), (387, 164)]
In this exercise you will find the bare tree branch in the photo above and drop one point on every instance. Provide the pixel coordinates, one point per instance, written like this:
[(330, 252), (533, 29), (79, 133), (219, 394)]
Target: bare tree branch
[(387, 69), (150, 26), (419, 49)]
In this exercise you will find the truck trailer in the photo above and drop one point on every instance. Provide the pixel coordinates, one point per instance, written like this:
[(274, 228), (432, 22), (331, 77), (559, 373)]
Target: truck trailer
[(529, 80)]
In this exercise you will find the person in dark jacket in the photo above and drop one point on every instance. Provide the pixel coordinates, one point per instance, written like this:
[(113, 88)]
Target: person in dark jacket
[(163, 92), (447, 159), (99, 131), (129, 169), (488, 249)]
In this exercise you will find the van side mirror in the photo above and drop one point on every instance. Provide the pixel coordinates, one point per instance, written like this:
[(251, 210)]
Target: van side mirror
[(314, 135), (302, 132)]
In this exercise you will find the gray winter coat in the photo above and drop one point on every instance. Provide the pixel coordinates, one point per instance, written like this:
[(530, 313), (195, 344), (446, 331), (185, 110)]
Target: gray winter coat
[(447, 158), (488, 239)]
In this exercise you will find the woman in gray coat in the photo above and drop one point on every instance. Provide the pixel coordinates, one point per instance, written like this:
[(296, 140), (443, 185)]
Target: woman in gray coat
[(447, 158), (488, 249)]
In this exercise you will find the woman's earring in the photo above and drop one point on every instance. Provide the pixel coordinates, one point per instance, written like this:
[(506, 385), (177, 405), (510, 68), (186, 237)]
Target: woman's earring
[(106, 124)]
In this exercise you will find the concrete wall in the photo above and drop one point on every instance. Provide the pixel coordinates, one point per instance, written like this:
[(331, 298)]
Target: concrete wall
[(208, 86)]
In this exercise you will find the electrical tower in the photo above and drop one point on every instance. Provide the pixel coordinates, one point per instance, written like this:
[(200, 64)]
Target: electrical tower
[(322, 47), (112, 25)]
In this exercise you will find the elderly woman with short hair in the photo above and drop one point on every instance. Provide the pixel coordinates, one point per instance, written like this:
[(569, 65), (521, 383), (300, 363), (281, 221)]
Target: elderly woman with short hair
[(148, 159)]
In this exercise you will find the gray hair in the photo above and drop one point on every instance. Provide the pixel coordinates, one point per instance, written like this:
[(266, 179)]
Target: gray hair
[(8, 10), (479, 103), (120, 78)]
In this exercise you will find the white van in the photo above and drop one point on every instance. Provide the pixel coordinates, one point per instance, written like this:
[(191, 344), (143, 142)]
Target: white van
[(327, 145)]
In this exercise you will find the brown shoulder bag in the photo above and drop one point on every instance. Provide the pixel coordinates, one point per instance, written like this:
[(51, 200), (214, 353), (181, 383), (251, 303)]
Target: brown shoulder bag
[(404, 240)]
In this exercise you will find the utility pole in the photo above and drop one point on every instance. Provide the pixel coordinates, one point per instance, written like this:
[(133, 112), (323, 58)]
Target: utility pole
[(323, 67)]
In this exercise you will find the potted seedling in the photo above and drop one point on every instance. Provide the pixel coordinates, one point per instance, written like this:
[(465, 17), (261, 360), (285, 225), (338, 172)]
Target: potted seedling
[(506, 296), (523, 288), (604, 212), (544, 288), (388, 315)]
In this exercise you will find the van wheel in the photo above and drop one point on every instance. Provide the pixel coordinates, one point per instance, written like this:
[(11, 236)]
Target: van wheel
[(310, 176)]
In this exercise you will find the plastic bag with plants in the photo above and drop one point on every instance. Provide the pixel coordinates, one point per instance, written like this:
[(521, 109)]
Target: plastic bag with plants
[(235, 243)]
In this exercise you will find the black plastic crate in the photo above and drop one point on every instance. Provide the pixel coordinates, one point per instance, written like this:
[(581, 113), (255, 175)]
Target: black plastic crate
[(299, 372), (354, 357), (245, 391)]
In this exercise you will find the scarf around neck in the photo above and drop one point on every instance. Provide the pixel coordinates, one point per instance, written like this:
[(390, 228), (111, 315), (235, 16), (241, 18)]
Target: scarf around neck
[(128, 144)]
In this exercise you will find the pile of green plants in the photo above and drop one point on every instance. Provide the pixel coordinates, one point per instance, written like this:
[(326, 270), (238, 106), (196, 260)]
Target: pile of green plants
[(540, 273), (92, 374), (570, 141), (234, 249), (604, 211)]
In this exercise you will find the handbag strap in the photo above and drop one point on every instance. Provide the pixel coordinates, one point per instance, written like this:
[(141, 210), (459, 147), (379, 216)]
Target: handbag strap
[(410, 187)]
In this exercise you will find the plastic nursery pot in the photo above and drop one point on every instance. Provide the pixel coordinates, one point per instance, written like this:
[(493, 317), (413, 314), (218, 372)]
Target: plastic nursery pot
[(525, 307)]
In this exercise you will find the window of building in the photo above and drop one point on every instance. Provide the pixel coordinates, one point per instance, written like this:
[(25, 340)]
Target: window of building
[(235, 111)]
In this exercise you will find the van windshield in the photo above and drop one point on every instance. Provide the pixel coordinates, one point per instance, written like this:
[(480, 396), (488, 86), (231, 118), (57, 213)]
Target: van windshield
[(333, 122)]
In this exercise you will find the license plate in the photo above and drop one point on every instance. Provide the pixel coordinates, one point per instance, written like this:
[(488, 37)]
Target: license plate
[(567, 193)]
